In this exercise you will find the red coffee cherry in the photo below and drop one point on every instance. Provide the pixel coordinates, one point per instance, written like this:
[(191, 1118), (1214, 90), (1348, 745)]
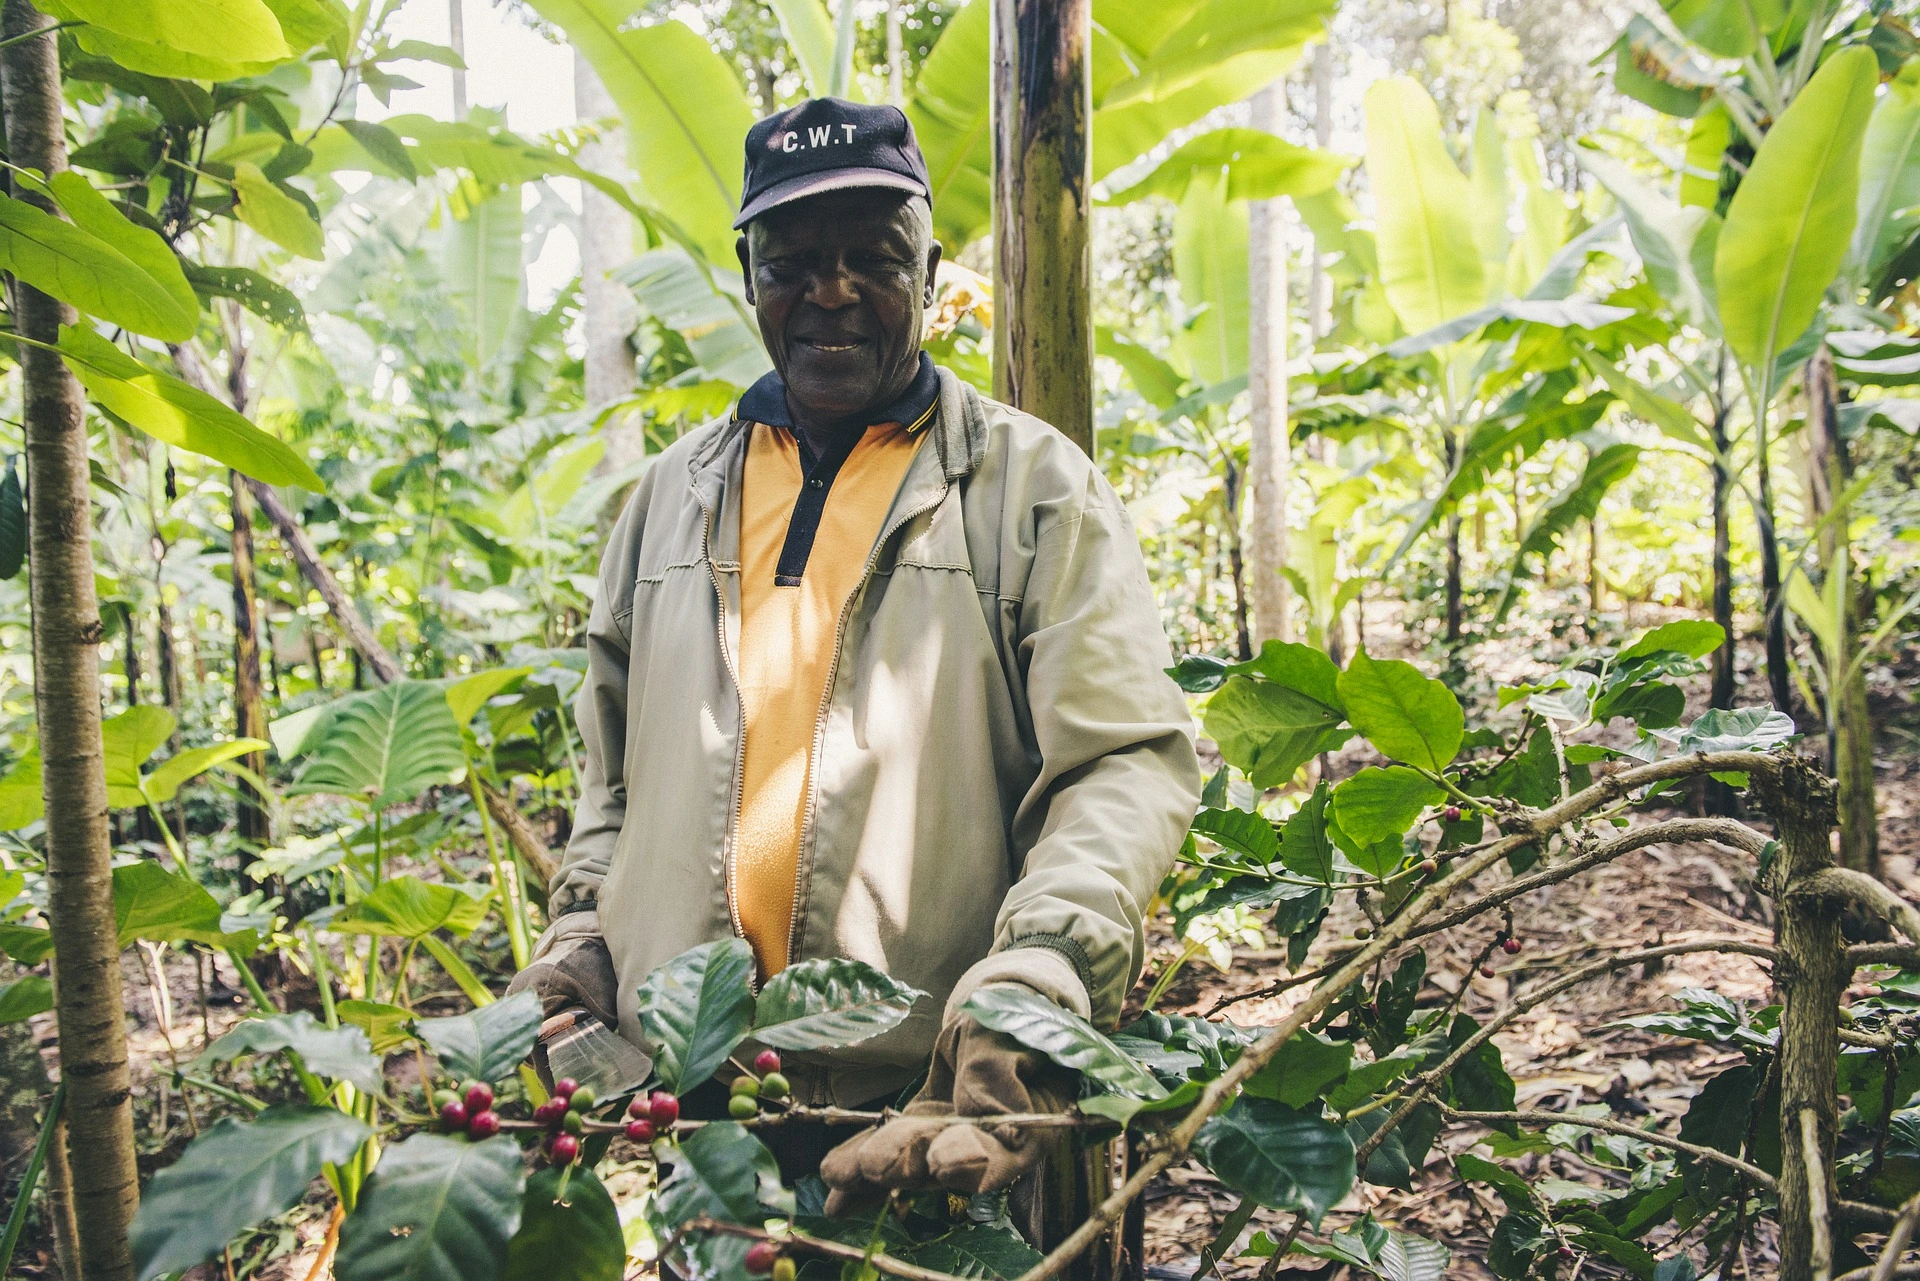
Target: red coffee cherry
[(479, 1098), (663, 1108), (454, 1115), (640, 1131), (566, 1149), (762, 1257), (766, 1061), (484, 1125)]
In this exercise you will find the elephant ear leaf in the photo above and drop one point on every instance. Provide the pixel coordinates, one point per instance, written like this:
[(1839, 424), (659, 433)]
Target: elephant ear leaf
[(386, 745)]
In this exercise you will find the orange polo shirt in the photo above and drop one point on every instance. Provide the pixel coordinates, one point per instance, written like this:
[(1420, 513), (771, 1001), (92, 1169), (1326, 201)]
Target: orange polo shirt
[(789, 624)]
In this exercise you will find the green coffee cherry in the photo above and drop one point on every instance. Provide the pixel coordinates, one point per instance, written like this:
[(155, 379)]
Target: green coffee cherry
[(774, 1086), (574, 1123), (745, 1086), (582, 1099), (741, 1107)]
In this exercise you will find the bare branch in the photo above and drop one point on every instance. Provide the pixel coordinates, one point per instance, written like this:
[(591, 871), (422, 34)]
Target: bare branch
[(1889, 1264), (1816, 1195), (1843, 883), (881, 1261), (1694, 1150)]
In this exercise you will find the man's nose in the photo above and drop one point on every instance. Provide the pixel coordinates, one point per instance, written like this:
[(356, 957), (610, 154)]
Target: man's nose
[(832, 287)]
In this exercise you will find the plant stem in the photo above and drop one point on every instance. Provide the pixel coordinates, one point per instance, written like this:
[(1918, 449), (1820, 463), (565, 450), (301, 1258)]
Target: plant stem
[(23, 1196)]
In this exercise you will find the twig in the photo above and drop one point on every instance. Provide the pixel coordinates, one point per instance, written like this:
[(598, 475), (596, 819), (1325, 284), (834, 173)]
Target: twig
[(1280, 1247), (1816, 1195), (328, 1244), (1694, 1150), (1845, 883), (1429, 1080), (1272, 989), (847, 1116), (881, 1261), (1897, 1240), (1230, 1228)]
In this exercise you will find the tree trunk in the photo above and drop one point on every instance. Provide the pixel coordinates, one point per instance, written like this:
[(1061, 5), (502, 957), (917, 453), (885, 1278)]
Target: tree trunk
[(1721, 797), (1849, 720), (1269, 453), (1042, 169), (1810, 978), (1773, 605), (1232, 487), (608, 310), (66, 686), (249, 702), (457, 41), (1319, 283)]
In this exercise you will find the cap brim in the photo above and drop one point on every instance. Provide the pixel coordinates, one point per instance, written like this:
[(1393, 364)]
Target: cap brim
[(814, 184)]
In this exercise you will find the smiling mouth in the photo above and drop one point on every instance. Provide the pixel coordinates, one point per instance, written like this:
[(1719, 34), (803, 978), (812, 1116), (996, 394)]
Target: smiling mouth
[(831, 347)]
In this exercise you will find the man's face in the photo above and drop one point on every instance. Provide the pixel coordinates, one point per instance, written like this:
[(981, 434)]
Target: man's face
[(841, 283)]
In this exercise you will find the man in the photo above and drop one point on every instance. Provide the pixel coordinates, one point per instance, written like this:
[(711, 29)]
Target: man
[(874, 672)]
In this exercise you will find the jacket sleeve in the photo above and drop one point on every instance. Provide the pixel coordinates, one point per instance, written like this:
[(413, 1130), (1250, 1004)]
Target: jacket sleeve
[(1118, 782), (601, 711)]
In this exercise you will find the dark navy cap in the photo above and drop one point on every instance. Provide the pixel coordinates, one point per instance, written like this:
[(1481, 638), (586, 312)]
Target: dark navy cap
[(829, 144)]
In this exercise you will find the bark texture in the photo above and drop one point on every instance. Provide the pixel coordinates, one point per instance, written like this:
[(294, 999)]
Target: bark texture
[(1269, 452), (66, 667), (608, 310), (1811, 976), (1042, 172), (249, 695)]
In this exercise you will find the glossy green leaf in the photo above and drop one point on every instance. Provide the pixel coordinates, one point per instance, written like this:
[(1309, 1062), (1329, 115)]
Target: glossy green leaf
[(384, 145), (1429, 262), (980, 1252), (1726, 28), (230, 30), (1283, 1159), (1788, 226), (1210, 264), (720, 1171), (1694, 637), (1889, 211), (1403, 713), (1305, 1067), (1381, 804), (186, 417), (385, 745), (469, 694), (267, 299), (436, 1209), (1479, 1082), (410, 908), (1305, 848), (236, 1174), (1266, 729), (1186, 42), (577, 1237), (342, 1054), (25, 943), (1258, 165), (164, 783), (695, 1009), (74, 265), (156, 905), (25, 997), (387, 1026), (274, 214), (705, 306), (1240, 831), (1739, 730), (21, 800), (1159, 384), (684, 109), (823, 1005), (1062, 1036), (1651, 67), (485, 1044)]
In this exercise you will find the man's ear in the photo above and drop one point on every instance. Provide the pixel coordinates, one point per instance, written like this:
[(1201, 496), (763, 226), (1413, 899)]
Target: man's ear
[(933, 265), (746, 264)]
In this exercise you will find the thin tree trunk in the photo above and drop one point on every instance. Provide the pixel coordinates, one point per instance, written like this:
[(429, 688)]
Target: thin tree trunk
[(1233, 487), (66, 680), (1042, 170), (608, 311), (1319, 283), (1773, 605), (1849, 720), (1721, 797), (457, 41), (131, 663), (1810, 979), (249, 704), (1269, 452)]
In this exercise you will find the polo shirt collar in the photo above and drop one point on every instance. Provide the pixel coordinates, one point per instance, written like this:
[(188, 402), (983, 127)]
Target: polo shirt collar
[(766, 401)]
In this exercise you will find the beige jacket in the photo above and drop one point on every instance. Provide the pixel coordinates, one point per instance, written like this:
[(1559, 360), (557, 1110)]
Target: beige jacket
[(1002, 771)]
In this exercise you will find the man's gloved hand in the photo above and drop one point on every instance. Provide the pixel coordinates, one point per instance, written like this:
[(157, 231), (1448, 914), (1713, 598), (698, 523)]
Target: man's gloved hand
[(975, 1072), (575, 971)]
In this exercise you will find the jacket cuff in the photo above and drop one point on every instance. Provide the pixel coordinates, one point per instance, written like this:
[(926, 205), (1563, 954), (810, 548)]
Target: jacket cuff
[(564, 929), (1043, 969)]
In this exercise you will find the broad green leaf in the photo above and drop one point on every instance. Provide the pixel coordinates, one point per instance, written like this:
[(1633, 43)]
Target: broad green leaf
[(76, 266), (342, 1054), (1283, 1159), (235, 1175), (1306, 1065), (385, 745), (981, 1252), (435, 1209), (1579, 501), (1240, 831), (1381, 804), (1511, 1187), (1429, 262), (1707, 139), (469, 694), (823, 1005), (21, 801), (1552, 313), (1788, 226), (1651, 67), (1726, 28), (127, 740), (164, 783), (1664, 235), (267, 299), (488, 1043), (561, 474), (155, 260), (170, 411), (276, 215), (480, 257), (1266, 729), (578, 1238), (1696, 638), (387, 1026), (1201, 37), (1258, 165), (1301, 668), (705, 306), (1543, 221), (695, 1009), (1403, 713), (384, 145), (684, 109), (1304, 845), (809, 33), (1159, 384), (154, 904), (720, 1171), (25, 943), (1889, 176), (1062, 1036), (1742, 729), (410, 908), (229, 30), (1487, 179), (1479, 1082), (25, 997), (1210, 264)]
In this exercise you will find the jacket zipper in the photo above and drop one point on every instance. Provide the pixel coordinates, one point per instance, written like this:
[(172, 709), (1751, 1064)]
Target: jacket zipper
[(800, 867), (739, 738)]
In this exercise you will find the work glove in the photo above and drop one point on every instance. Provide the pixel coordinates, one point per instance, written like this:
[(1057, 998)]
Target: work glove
[(572, 969), (975, 1072)]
